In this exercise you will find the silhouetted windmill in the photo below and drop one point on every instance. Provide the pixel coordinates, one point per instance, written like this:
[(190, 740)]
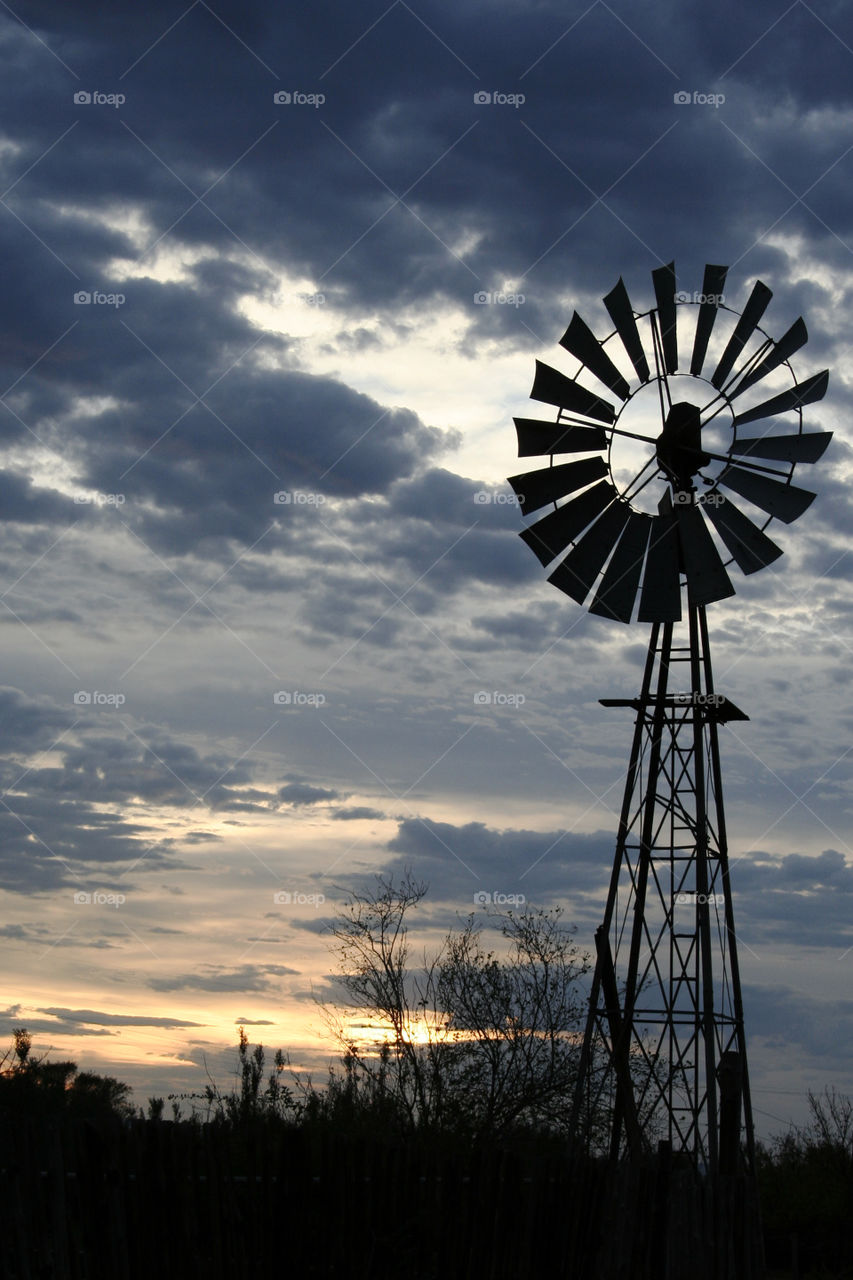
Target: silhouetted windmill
[(644, 516)]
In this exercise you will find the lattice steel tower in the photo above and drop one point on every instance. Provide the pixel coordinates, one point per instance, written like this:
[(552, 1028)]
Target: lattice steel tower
[(646, 522)]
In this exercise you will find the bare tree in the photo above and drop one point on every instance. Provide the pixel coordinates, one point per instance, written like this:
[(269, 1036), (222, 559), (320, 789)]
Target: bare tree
[(831, 1124), (516, 1019), (472, 1038), (397, 1005)]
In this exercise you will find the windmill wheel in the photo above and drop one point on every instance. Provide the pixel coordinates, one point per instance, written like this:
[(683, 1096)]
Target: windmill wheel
[(656, 504)]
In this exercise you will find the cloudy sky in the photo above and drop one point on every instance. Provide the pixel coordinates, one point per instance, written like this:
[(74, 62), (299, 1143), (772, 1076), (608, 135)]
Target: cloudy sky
[(251, 588)]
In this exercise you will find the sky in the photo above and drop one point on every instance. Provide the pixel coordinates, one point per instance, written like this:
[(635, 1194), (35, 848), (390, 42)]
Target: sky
[(275, 279)]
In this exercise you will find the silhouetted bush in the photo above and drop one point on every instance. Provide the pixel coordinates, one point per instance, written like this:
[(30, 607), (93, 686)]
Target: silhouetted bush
[(33, 1086)]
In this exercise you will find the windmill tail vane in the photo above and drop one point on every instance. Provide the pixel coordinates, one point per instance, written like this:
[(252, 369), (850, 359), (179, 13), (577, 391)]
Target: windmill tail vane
[(662, 477)]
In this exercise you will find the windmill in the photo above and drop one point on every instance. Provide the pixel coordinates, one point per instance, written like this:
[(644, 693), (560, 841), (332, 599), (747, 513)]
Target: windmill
[(673, 479)]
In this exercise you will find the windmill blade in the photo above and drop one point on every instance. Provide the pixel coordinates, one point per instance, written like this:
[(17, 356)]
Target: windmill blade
[(553, 533), (753, 311), (795, 448), (707, 579), (660, 599), (712, 290), (785, 501), (663, 279), (585, 561), (537, 438), (618, 588), (791, 341), (794, 398), (580, 341), (621, 312), (552, 387), (536, 488), (750, 546)]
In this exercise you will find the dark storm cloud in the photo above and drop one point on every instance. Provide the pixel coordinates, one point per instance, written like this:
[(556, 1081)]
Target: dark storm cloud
[(459, 861), (795, 900), (202, 438), (47, 939), (317, 924), (328, 990), (401, 98), (59, 822), (533, 626), (442, 525), (48, 844), (208, 470), (92, 1017), (48, 1028), (248, 977), (432, 538), (22, 502), (783, 1016), (357, 813), (829, 523), (30, 723), (298, 794), (146, 763), (190, 473), (217, 472)]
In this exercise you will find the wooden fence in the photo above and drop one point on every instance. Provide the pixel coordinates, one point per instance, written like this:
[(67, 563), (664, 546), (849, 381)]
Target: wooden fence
[(98, 1202)]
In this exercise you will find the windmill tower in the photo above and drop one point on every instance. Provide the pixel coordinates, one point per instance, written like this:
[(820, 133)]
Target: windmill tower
[(647, 521)]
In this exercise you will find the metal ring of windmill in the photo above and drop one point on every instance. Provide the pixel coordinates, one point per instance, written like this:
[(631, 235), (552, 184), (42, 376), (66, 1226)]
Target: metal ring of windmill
[(664, 1050)]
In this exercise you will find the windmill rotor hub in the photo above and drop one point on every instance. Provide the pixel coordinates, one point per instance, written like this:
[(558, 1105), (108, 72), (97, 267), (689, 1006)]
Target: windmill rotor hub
[(678, 448)]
